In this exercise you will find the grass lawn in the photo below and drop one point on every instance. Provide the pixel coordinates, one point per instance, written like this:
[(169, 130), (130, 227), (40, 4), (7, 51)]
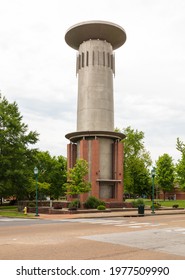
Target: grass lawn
[(9, 208), (166, 203), (12, 211)]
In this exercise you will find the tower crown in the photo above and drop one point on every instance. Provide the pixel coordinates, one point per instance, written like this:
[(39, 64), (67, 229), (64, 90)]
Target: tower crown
[(94, 30)]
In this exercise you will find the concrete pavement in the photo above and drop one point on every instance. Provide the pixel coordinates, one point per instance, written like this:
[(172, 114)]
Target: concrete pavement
[(127, 212), (88, 237)]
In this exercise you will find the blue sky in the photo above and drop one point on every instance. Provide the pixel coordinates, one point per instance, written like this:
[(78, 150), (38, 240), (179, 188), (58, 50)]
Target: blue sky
[(37, 67)]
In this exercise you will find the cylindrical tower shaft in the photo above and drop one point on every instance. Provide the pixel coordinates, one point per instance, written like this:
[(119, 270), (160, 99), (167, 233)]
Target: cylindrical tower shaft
[(95, 67)]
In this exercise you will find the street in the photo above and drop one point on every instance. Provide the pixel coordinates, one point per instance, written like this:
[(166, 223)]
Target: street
[(160, 237)]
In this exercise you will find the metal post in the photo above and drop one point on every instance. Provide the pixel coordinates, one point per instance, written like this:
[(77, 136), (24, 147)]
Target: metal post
[(153, 176), (36, 179)]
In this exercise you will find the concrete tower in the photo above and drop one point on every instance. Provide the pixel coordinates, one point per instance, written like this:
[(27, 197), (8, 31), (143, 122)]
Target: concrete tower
[(95, 139)]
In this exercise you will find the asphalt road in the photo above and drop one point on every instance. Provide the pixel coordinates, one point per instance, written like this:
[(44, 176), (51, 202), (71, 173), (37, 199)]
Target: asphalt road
[(117, 238)]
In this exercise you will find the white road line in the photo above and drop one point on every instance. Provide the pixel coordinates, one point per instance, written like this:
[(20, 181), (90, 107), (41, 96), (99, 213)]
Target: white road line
[(180, 229), (116, 223), (175, 230), (13, 220), (134, 226)]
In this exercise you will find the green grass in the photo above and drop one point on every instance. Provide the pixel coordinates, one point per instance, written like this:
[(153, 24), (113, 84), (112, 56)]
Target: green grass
[(12, 212), (8, 207), (169, 203), (166, 203)]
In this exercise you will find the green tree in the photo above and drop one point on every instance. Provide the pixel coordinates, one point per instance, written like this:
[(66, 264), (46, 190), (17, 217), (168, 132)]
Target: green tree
[(180, 166), (137, 181), (77, 182), (52, 175), (165, 173), (58, 177), (137, 161), (16, 156), (180, 146)]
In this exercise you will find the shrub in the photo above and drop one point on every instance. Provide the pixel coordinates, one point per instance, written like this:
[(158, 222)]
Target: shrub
[(31, 204), (74, 204), (157, 205), (92, 203), (101, 207), (137, 202)]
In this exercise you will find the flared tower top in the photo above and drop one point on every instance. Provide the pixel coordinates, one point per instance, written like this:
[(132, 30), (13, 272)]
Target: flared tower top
[(94, 30)]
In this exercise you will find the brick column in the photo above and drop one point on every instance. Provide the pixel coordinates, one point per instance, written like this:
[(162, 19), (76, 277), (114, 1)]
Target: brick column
[(71, 155), (84, 155), (120, 171), (84, 149), (71, 159), (95, 168)]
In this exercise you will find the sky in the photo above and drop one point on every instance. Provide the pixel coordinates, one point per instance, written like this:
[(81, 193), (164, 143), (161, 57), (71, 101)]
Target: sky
[(37, 68)]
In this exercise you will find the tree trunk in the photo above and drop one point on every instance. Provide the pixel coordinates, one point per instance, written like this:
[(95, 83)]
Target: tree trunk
[(164, 194)]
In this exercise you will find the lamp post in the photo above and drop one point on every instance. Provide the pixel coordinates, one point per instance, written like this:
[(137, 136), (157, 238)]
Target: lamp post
[(153, 176), (36, 171)]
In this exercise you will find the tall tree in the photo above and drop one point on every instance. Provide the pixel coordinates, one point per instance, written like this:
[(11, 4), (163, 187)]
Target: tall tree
[(165, 173), (180, 167), (137, 161), (58, 177), (77, 182), (16, 156), (52, 174)]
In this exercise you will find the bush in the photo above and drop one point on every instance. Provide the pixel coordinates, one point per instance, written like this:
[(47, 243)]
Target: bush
[(74, 204), (31, 204), (138, 202), (157, 205), (92, 203), (101, 207)]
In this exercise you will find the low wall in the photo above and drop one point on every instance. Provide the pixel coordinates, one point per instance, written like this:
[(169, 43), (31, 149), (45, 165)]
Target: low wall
[(55, 207), (43, 204)]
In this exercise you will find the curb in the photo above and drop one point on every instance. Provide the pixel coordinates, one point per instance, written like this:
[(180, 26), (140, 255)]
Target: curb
[(109, 214)]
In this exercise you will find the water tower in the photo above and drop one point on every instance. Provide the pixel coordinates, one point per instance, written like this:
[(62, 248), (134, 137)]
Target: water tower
[(95, 139)]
